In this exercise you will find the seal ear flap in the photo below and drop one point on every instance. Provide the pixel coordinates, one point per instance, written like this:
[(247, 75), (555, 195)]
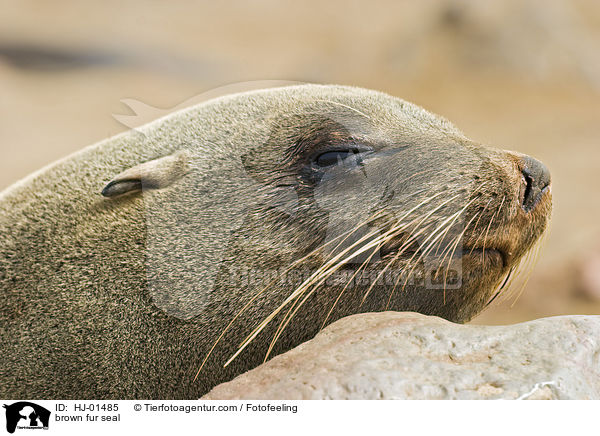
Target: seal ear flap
[(155, 174)]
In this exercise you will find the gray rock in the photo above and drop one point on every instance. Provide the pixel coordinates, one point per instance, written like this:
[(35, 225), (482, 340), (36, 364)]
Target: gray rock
[(394, 355)]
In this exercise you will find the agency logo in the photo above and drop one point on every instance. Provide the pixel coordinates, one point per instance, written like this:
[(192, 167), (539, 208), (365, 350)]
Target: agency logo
[(26, 415)]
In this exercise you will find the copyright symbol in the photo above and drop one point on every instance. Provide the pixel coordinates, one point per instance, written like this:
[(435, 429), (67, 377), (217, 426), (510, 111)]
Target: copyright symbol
[(137, 407)]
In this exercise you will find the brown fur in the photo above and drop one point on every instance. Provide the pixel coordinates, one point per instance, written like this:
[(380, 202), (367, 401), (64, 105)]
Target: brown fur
[(123, 296)]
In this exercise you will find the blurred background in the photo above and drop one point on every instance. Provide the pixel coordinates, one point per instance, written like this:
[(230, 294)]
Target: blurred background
[(515, 74)]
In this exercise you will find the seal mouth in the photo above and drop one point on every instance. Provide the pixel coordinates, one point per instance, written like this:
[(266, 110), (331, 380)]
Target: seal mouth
[(397, 244), (488, 254), (492, 255)]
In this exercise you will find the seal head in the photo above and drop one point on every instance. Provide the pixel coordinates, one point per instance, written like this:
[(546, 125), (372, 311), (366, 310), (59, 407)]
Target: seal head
[(252, 219)]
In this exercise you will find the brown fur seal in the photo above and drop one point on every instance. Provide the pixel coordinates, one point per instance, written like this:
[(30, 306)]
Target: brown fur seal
[(251, 217)]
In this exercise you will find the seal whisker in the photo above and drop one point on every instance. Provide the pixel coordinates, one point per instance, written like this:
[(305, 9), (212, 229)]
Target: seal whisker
[(536, 250), (448, 229), (346, 106), (408, 243), (477, 224), (375, 250), (249, 303), (439, 231), (519, 268), (485, 239), (295, 295), (295, 305), (455, 241), (321, 275), (394, 231), (451, 246), (426, 251), (314, 278), (239, 216), (498, 291), (458, 239), (333, 261), (447, 224)]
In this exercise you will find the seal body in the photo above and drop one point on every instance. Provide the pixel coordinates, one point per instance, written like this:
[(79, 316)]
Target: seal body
[(126, 267)]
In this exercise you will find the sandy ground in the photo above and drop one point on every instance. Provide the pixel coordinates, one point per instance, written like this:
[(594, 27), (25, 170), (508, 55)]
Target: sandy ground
[(520, 75)]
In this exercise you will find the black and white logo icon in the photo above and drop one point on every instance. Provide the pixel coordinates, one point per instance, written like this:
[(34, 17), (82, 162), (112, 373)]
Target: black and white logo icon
[(26, 415)]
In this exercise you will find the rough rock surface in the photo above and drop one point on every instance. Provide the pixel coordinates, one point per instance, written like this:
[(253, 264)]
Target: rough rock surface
[(393, 355)]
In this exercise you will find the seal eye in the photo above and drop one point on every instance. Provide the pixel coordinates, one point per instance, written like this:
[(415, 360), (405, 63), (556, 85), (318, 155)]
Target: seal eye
[(330, 158)]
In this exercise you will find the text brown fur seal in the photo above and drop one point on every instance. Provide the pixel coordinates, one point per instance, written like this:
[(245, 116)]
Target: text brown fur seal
[(124, 295)]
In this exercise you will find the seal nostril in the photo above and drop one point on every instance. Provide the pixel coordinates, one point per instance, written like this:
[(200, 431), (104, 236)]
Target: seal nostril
[(537, 179), (528, 186)]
